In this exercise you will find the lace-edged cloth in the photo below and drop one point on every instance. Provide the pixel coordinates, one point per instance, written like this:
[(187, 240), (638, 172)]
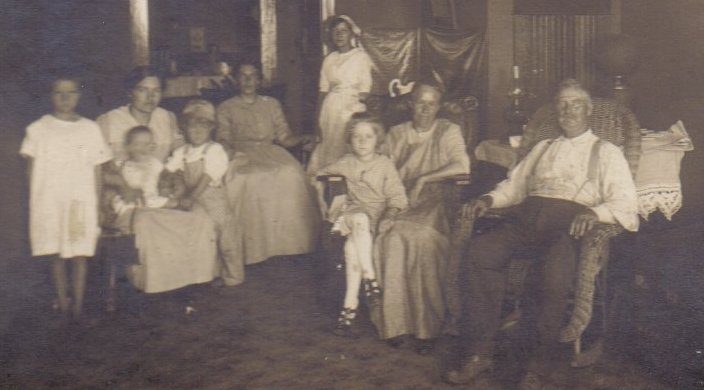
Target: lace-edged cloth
[(667, 199), (658, 178)]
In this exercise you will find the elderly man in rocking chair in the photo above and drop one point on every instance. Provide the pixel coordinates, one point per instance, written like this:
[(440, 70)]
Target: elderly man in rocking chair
[(561, 189)]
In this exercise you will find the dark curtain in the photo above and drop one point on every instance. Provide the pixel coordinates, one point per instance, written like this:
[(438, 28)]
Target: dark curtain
[(455, 58), (394, 54), (411, 54)]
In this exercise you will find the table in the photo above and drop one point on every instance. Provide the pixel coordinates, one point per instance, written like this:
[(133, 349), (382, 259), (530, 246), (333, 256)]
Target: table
[(497, 152), (658, 177), (183, 86)]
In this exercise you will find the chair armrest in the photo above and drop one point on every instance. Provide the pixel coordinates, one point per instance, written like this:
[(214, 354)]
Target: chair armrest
[(300, 153), (333, 185), (594, 244), (459, 180)]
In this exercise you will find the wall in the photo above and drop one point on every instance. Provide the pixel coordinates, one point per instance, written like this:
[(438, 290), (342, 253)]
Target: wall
[(290, 61), (228, 24), (38, 37), (671, 51), (41, 36), (669, 82), (499, 33)]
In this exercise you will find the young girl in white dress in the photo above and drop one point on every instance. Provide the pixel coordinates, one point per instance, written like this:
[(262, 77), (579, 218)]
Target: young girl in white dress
[(375, 194), (64, 152)]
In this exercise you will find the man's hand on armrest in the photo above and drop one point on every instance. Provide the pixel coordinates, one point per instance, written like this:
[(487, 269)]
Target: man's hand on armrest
[(582, 223), (460, 180), (476, 208)]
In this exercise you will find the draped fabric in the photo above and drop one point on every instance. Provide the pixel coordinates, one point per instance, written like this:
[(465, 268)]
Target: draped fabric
[(456, 58), (394, 54), (409, 55)]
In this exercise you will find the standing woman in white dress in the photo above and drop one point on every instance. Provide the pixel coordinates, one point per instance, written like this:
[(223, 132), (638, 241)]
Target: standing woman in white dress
[(345, 82)]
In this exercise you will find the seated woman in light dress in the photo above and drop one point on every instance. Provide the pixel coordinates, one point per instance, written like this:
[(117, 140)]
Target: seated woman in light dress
[(273, 206), (411, 257)]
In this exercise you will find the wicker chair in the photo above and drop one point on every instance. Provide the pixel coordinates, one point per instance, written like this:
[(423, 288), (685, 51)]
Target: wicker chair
[(610, 121)]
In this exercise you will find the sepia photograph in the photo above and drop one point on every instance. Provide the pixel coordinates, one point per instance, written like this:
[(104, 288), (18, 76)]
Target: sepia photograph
[(352, 194)]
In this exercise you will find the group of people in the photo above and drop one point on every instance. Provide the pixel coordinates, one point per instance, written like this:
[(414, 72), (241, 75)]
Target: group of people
[(201, 204), (214, 189)]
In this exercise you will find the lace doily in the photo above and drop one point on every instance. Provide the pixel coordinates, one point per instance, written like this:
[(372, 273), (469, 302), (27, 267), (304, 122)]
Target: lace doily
[(666, 199)]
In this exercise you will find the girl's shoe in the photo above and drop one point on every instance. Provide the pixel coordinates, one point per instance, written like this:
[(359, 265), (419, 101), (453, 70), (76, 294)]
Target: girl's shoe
[(424, 347), (372, 292), (345, 323)]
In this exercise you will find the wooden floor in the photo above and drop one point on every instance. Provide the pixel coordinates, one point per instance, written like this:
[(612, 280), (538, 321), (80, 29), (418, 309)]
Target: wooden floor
[(269, 333)]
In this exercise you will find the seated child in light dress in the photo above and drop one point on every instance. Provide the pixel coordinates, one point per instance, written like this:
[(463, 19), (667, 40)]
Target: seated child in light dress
[(201, 165), (374, 193), (141, 172)]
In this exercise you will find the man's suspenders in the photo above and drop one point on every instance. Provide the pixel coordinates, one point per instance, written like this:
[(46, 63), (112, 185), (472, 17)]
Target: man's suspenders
[(593, 170), (592, 167)]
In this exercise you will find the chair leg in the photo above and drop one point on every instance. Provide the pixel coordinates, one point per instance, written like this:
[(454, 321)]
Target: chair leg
[(103, 255), (591, 356), (110, 303)]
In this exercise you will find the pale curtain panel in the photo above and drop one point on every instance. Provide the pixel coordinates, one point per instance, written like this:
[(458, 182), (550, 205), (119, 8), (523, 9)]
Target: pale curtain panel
[(139, 31), (268, 35), (327, 10), (550, 48)]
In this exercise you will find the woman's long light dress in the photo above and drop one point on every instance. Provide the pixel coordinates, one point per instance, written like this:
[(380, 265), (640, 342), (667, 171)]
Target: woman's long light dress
[(179, 248), (273, 207), (63, 200), (343, 77), (411, 258)]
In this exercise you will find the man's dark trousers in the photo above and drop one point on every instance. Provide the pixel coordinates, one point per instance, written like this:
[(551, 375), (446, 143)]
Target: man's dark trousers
[(542, 223)]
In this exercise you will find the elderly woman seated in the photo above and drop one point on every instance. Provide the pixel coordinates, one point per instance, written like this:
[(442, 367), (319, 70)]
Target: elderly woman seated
[(273, 206), (411, 257)]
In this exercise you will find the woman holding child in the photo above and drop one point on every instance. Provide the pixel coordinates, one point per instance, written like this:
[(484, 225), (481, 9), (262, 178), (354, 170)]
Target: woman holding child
[(181, 231), (144, 87)]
